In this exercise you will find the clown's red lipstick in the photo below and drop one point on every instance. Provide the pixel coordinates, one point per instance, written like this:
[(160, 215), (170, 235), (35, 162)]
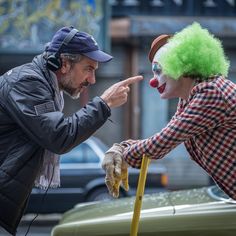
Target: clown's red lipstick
[(161, 88), (154, 84)]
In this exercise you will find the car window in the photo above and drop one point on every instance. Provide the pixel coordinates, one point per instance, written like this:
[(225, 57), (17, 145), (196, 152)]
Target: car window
[(101, 145), (89, 155), (80, 154)]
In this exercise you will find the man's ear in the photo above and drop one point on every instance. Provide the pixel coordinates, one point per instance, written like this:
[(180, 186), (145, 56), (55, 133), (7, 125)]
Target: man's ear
[(65, 66)]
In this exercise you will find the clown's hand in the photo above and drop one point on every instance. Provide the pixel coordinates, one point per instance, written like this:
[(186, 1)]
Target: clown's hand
[(116, 170)]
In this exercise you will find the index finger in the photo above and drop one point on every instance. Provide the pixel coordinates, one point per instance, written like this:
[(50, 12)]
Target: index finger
[(131, 80)]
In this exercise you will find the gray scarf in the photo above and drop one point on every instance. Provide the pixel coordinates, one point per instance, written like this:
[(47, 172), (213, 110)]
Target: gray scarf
[(49, 174)]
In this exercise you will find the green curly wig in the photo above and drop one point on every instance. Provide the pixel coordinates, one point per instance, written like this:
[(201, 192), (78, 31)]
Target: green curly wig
[(194, 52)]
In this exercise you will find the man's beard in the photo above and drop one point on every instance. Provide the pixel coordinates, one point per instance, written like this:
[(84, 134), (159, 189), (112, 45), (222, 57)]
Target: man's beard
[(74, 93), (74, 96)]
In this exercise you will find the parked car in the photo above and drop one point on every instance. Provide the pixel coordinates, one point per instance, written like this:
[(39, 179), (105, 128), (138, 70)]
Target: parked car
[(204, 211), (82, 180)]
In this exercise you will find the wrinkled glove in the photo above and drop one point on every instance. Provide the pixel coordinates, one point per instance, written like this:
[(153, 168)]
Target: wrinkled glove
[(116, 170)]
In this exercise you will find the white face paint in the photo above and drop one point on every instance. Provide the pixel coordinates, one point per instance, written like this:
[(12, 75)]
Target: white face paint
[(166, 86), (160, 52)]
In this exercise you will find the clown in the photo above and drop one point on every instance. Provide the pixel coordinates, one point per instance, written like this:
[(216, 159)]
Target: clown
[(191, 66)]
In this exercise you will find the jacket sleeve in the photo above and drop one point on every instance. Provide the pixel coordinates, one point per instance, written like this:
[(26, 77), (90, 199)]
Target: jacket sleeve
[(205, 110), (30, 104)]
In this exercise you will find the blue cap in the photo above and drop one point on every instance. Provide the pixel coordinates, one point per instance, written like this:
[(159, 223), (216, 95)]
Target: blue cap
[(82, 43)]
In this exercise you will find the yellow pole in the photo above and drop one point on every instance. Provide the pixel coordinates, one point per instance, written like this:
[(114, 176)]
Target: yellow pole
[(139, 196)]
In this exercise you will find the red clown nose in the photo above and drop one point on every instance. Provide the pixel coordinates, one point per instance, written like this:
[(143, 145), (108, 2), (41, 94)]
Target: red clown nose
[(153, 83)]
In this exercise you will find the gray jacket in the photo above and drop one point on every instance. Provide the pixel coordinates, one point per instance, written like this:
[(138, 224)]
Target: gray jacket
[(30, 122)]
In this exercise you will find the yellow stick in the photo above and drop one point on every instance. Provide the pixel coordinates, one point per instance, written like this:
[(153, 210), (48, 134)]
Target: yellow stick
[(139, 196)]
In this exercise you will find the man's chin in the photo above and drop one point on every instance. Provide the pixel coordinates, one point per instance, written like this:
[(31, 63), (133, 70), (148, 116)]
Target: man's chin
[(163, 96)]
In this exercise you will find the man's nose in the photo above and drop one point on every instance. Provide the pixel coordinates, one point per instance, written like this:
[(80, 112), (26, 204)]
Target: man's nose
[(92, 79)]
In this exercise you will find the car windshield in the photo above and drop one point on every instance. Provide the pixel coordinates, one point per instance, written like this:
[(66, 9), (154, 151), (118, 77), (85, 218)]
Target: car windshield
[(86, 152), (102, 145)]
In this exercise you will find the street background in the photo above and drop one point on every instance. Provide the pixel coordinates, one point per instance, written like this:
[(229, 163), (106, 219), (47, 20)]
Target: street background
[(42, 226)]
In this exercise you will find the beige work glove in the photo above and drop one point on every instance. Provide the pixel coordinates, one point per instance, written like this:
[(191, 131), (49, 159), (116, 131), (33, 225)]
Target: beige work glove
[(116, 170)]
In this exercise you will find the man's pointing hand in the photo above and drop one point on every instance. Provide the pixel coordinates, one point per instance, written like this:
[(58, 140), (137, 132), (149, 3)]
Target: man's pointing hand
[(117, 94)]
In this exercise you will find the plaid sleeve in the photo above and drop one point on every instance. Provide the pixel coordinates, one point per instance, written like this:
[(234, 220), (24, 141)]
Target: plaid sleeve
[(204, 110), (129, 142)]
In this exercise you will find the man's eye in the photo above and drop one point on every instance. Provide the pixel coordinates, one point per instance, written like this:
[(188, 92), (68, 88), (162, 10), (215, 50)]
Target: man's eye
[(89, 69)]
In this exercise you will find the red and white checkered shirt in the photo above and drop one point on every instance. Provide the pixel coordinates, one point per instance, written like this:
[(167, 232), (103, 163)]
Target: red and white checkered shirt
[(206, 123)]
